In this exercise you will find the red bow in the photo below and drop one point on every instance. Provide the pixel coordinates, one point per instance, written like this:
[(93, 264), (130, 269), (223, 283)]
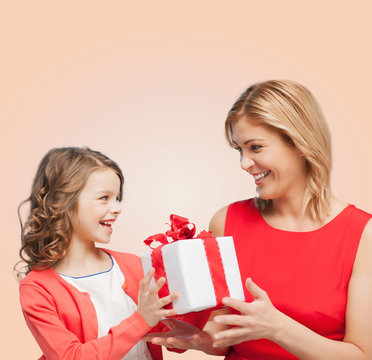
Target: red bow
[(180, 229)]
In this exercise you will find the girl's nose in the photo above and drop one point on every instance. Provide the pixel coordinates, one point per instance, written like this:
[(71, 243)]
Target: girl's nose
[(246, 162), (116, 208)]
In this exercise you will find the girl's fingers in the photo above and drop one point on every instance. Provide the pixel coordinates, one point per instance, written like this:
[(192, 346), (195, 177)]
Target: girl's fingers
[(145, 282), (150, 274), (158, 285), (168, 299), (167, 313)]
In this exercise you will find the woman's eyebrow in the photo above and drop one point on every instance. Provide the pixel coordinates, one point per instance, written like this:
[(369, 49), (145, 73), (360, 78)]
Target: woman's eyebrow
[(250, 140)]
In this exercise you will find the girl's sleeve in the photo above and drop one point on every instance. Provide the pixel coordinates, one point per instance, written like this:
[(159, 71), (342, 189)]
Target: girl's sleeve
[(57, 342)]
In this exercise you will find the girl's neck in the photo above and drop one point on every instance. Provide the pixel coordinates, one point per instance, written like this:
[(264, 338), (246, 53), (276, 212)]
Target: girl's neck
[(83, 259)]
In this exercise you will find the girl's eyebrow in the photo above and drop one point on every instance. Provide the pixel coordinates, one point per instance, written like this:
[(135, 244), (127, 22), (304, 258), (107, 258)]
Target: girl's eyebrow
[(104, 191)]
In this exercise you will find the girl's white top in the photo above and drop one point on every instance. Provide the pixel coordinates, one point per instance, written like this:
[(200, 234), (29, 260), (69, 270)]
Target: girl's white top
[(112, 304)]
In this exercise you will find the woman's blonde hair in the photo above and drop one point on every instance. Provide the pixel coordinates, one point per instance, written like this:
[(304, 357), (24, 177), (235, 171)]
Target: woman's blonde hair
[(290, 109), (60, 177)]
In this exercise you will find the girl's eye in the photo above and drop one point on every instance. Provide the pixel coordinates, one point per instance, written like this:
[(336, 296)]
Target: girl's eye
[(104, 198), (238, 148)]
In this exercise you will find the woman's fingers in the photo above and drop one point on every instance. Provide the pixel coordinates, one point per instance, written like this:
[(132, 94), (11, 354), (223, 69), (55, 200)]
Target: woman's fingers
[(180, 327), (230, 337), (239, 305), (236, 320), (255, 290), (151, 336), (175, 342), (164, 341), (172, 324), (157, 340)]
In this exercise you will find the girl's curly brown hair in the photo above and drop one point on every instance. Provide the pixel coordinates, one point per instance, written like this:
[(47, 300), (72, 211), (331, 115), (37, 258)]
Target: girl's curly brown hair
[(60, 177)]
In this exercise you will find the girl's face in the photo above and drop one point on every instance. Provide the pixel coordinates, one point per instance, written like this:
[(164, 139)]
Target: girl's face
[(97, 208), (277, 167)]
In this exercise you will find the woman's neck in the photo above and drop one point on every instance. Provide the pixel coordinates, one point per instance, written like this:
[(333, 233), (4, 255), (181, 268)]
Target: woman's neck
[(289, 214)]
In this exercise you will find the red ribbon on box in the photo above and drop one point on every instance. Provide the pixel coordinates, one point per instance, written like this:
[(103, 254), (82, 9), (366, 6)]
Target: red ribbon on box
[(182, 229)]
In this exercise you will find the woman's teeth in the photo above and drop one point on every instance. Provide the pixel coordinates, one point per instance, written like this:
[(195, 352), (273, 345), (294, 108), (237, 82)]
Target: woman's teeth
[(260, 176)]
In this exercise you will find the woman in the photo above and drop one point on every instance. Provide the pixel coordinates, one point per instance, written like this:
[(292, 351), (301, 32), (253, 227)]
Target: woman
[(306, 255)]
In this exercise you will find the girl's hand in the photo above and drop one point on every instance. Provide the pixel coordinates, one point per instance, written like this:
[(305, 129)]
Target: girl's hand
[(150, 306), (258, 320)]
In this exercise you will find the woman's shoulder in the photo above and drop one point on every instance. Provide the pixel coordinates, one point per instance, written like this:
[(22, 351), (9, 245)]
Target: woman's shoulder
[(354, 217), (363, 263), (360, 212), (218, 220), (340, 207)]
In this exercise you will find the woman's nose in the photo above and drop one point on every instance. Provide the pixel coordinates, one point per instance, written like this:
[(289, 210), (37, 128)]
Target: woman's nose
[(246, 162)]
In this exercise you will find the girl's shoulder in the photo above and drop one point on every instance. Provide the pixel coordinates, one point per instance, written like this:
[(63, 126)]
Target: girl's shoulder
[(124, 257), (130, 264), (39, 277)]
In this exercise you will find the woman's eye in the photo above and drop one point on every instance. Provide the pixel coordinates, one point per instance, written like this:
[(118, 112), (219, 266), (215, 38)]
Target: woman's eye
[(256, 147), (104, 198), (238, 148)]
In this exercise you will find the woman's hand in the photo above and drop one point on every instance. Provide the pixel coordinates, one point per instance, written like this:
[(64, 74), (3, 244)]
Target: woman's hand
[(258, 320), (183, 335), (150, 306)]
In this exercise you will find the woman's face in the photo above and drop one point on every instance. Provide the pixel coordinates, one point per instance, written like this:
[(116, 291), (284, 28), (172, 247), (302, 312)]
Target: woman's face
[(277, 167)]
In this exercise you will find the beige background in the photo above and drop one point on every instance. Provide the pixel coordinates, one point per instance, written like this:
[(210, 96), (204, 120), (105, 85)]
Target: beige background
[(150, 85)]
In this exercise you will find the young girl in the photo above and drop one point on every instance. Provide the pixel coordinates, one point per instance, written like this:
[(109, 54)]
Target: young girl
[(79, 301)]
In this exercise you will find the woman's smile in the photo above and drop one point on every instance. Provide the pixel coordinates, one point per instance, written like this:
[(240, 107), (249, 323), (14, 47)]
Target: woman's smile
[(259, 177)]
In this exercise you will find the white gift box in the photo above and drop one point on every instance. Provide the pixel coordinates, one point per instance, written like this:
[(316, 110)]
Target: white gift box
[(188, 273)]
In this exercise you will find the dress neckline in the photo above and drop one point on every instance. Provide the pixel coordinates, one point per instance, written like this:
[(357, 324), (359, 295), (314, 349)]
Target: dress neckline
[(91, 275), (328, 224)]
